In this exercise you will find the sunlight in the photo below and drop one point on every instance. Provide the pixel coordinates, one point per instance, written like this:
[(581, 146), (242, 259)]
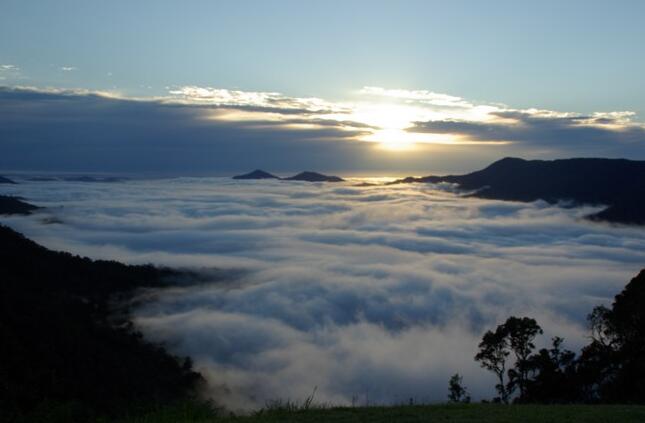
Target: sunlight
[(392, 124), (387, 116), (392, 139), (392, 121), (402, 140)]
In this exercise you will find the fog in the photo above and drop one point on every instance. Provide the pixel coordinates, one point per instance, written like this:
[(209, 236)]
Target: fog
[(371, 294)]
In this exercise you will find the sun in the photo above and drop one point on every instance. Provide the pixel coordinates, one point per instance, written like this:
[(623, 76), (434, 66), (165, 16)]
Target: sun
[(392, 139), (392, 123)]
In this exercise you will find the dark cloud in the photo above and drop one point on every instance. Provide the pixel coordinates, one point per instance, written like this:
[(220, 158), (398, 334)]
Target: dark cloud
[(82, 131), (572, 135), (89, 132)]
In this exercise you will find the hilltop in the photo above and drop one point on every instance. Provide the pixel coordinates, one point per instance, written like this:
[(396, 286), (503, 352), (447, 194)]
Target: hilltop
[(616, 183), (306, 176), (256, 174), (314, 177)]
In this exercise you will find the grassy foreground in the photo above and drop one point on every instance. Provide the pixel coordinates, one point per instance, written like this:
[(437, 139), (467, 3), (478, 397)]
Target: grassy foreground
[(470, 413)]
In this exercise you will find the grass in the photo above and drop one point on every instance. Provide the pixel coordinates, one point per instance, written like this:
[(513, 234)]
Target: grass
[(458, 413)]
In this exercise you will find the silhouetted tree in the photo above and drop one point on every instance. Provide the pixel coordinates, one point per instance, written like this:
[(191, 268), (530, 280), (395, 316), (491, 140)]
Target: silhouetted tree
[(520, 334), (613, 365), (492, 356), (515, 336), (553, 372), (456, 391), (610, 369)]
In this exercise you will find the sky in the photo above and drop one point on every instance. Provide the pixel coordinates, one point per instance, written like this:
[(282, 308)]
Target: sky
[(351, 86)]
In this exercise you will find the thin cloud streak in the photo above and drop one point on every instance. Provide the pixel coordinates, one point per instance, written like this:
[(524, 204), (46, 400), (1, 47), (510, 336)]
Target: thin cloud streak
[(9, 72)]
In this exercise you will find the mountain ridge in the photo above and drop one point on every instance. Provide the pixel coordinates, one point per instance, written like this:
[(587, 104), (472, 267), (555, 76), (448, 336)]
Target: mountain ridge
[(256, 174), (309, 176), (617, 183)]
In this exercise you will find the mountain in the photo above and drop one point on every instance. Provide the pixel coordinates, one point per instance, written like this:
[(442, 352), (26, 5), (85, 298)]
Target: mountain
[(314, 177), (64, 347), (302, 176), (4, 180), (256, 174), (617, 183), (15, 205)]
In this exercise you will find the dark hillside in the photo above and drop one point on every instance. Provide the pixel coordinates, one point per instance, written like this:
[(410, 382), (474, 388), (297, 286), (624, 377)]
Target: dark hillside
[(314, 177), (617, 183), (256, 174), (60, 344), (15, 205)]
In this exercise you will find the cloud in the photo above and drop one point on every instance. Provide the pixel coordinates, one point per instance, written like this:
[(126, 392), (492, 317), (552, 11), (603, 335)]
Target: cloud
[(196, 130), (420, 96), (82, 131), (613, 134), (68, 68), (259, 101), (376, 292), (9, 72)]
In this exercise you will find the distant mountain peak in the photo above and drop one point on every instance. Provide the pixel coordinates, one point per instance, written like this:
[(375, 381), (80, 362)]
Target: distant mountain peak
[(507, 162), (510, 159), (314, 177), (256, 174), (616, 183), (4, 180)]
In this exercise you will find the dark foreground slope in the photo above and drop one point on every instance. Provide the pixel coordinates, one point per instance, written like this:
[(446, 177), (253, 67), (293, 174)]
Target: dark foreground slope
[(61, 347), (454, 413), (617, 183)]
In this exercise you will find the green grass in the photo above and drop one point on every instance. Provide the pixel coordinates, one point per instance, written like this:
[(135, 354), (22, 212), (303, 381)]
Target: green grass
[(462, 413)]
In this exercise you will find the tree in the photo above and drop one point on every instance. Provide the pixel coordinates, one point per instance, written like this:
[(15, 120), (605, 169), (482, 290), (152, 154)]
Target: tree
[(456, 391), (613, 365), (492, 356), (520, 333), (554, 376), (516, 335), (610, 369)]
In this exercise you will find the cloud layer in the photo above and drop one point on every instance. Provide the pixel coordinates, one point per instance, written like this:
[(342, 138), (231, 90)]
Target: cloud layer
[(204, 130), (601, 134), (371, 293)]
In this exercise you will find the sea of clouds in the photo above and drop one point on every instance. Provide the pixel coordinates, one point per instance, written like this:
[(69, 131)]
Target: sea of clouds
[(372, 294)]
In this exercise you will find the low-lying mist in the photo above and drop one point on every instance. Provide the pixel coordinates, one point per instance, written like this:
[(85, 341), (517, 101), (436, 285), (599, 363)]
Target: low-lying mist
[(371, 294)]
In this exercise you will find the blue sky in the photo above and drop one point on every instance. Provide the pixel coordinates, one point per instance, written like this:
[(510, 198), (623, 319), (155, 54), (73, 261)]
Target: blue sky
[(573, 58)]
